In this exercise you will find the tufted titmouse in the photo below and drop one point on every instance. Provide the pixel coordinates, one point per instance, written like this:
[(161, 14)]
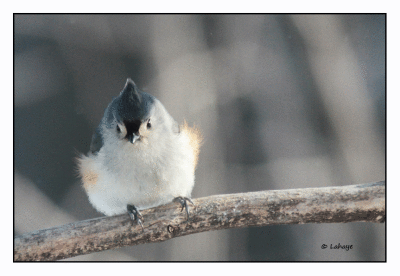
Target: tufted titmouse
[(139, 157)]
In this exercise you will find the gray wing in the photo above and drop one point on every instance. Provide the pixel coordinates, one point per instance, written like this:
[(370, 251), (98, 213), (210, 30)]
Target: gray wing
[(97, 141)]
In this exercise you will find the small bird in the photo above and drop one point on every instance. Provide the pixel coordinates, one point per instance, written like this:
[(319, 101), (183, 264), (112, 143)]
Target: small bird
[(139, 157)]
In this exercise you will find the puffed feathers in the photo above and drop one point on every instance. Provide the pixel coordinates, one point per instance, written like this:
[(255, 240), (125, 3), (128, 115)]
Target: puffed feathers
[(153, 170)]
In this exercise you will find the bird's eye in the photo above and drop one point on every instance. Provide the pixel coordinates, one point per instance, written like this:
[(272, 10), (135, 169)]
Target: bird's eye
[(120, 130), (148, 124)]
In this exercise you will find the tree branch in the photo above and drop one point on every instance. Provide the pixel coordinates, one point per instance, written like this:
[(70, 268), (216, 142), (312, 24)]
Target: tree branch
[(365, 202)]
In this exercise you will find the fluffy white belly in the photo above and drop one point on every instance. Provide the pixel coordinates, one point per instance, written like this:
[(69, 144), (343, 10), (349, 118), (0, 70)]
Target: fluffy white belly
[(111, 195), (133, 181)]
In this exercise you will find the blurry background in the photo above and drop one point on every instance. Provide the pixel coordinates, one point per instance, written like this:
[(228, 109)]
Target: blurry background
[(283, 101)]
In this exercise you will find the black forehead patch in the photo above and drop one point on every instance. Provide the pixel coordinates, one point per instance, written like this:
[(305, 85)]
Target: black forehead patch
[(131, 105)]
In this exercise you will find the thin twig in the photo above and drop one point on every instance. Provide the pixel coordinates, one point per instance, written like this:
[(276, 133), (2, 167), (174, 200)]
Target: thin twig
[(364, 202)]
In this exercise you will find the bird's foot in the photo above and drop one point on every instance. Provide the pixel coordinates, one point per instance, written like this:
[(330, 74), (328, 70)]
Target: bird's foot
[(183, 202), (135, 214)]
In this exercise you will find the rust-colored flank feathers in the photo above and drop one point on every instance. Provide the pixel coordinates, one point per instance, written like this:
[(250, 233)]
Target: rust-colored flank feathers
[(195, 138), (88, 174)]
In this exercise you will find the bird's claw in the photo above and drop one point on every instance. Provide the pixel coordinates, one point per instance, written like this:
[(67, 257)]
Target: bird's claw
[(183, 202), (135, 214)]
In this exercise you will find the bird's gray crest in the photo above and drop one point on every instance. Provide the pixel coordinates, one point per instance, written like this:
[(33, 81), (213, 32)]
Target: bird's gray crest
[(130, 93), (131, 104)]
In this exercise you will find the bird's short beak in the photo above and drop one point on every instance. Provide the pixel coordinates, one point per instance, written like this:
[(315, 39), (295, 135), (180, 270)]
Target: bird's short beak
[(133, 138)]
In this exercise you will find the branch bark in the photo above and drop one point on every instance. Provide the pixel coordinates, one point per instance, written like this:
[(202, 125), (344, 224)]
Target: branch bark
[(364, 202)]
